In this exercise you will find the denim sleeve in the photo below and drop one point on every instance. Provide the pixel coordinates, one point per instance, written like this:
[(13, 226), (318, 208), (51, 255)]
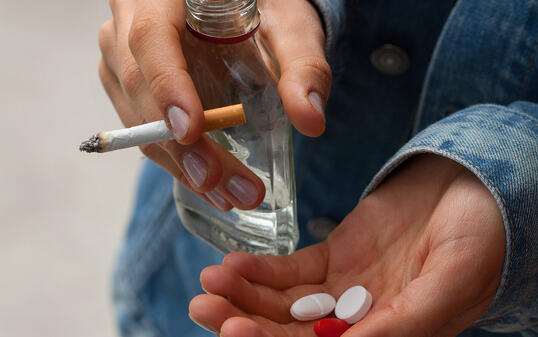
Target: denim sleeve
[(332, 13), (499, 145)]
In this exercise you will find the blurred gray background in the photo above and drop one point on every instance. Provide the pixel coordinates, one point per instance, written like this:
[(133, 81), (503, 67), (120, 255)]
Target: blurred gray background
[(62, 213)]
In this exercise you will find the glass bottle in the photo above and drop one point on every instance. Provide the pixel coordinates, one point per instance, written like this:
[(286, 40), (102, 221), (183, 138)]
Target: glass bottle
[(229, 64)]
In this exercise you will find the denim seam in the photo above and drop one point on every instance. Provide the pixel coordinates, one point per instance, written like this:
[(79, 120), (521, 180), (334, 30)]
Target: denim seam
[(507, 271), (145, 238), (150, 242), (501, 108), (156, 250), (132, 283), (521, 115), (426, 86), (528, 72), (146, 319)]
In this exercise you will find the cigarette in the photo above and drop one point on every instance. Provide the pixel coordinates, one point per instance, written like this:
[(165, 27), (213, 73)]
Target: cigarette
[(155, 132)]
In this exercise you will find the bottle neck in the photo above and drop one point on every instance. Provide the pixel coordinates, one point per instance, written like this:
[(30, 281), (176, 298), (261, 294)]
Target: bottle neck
[(222, 19)]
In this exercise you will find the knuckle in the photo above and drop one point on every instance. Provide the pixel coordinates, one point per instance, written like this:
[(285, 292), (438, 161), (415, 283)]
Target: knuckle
[(139, 32), (106, 36), (317, 64), (131, 77), (164, 79)]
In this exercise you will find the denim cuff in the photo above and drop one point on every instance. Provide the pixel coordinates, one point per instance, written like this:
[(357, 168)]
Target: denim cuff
[(332, 13), (500, 146)]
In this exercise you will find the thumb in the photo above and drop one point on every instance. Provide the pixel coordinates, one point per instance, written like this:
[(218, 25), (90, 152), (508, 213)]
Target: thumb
[(294, 34)]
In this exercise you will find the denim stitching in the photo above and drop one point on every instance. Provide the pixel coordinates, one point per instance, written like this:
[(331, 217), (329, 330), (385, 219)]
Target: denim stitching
[(146, 320), (159, 248), (149, 250), (525, 117), (144, 239), (498, 108), (433, 66)]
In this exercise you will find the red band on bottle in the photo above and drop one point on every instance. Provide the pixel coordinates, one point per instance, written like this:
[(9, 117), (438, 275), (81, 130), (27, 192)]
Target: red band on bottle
[(222, 40)]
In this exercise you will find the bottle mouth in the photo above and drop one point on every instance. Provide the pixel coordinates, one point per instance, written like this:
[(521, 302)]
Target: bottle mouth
[(222, 40), (219, 6), (222, 18)]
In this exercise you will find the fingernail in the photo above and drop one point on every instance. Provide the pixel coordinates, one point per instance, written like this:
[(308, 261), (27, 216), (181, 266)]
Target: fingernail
[(179, 120), (217, 199), (315, 100), (196, 167), (242, 189), (202, 325)]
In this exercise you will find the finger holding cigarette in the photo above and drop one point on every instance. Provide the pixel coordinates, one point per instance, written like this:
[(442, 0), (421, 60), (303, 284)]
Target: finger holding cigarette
[(155, 132), (157, 86)]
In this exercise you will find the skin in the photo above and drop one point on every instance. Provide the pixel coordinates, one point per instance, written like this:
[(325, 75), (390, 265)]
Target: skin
[(144, 72), (428, 244)]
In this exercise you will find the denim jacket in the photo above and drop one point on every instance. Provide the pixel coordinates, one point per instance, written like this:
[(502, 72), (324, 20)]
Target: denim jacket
[(461, 82)]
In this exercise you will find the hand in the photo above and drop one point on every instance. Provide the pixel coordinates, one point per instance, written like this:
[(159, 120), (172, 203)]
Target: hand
[(428, 244), (145, 74)]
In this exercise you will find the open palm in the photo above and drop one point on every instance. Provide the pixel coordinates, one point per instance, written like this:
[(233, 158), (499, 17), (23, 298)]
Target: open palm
[(428, 244)]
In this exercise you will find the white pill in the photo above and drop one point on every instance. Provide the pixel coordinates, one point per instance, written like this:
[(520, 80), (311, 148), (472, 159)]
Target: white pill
[(353, 305), (312, 307)]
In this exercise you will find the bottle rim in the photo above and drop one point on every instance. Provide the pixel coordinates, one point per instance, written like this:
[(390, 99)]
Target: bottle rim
[(215, 9), (224, 40), (222, 19)]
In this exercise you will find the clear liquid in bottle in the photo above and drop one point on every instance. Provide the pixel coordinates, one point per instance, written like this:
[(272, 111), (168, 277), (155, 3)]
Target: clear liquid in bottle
[(231, 73)]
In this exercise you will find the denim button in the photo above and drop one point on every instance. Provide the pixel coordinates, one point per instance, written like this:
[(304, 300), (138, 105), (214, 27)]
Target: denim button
[(390, 59), (320, 228)]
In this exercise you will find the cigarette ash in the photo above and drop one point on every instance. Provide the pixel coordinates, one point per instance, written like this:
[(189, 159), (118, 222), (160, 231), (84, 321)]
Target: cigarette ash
[(90, 145)]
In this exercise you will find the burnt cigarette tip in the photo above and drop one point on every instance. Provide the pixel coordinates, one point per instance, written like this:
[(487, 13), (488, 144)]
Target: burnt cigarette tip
[(90, 145)]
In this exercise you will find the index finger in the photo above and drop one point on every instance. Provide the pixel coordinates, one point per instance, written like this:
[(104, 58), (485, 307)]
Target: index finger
[(306, 266), (154, 40)]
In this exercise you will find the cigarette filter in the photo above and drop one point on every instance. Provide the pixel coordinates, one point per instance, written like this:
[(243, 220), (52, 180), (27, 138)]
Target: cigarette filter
[(155, 132)]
